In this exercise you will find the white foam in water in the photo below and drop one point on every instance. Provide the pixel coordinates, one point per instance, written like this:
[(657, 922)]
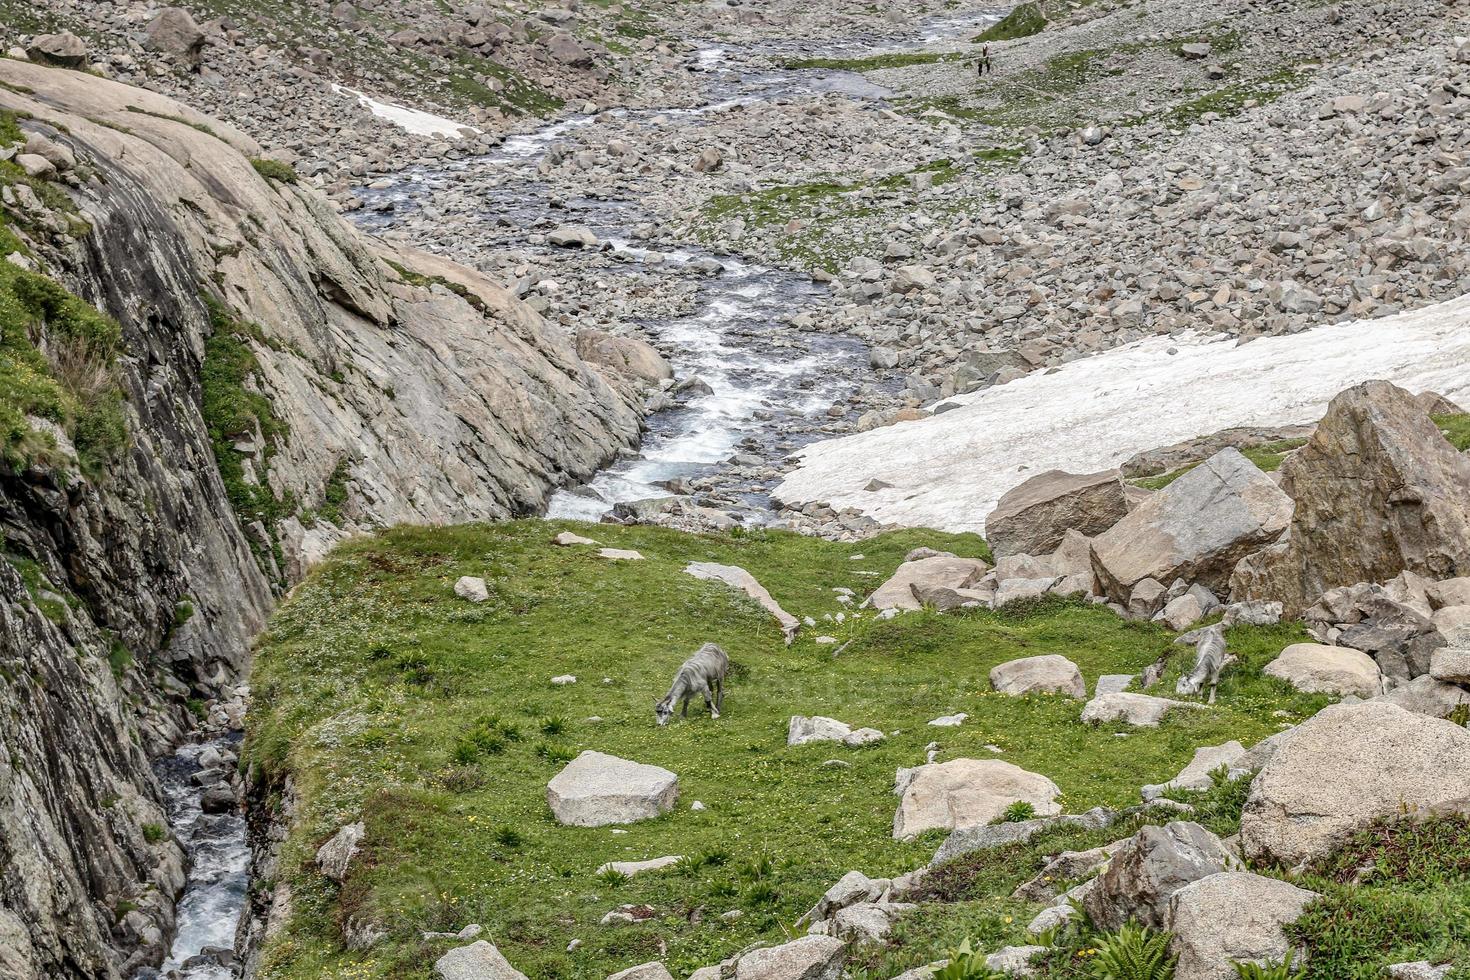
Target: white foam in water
[(708, 58), (218, 872), (526, 145), (744, 379), (415, 121)]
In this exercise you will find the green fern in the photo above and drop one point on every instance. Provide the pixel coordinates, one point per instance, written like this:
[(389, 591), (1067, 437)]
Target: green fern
[(967, 964), (1271, 971), (1134, 953)]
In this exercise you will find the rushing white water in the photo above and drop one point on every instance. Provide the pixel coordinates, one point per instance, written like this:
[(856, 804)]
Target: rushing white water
[(219, 862), (731, 343)]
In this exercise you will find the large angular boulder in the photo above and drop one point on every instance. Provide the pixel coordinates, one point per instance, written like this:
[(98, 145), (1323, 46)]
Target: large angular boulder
[(1072, 561), (568, 50), (866, 922), (966, 793), (597, 789), (1396, 635), (172, 31), (1144, 873), (1197, 528), (1049, 673), (1232, 916), (1451, 665), (64, 49), (902, 589), (1427, 696), (1380, 759), (807, 958), (1032, 518), (853, 888), (1319, 669), (1378, 490), (333, 857), (477, 961)]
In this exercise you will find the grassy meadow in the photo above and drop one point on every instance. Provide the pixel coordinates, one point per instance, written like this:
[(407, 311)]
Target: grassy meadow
[(383, 696)]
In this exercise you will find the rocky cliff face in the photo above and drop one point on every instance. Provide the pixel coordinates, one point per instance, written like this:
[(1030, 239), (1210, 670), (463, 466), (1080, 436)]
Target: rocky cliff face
[(273, 363)]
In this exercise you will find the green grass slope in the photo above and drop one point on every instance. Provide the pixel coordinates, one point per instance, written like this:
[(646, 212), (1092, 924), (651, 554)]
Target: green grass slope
[(384, 696)]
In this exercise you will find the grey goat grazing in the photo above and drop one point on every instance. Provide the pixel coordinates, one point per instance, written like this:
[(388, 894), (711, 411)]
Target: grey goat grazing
[(702, 674), (1209, 657)]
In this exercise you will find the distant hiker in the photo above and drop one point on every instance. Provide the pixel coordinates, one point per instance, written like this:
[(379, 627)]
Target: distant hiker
[(703, 674), (984, 65)]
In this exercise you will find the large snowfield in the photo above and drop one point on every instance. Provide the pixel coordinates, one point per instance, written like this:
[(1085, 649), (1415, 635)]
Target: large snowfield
[(947, 471)]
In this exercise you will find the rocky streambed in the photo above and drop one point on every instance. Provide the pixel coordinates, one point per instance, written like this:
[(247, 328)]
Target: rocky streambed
[(754, 378), (204, 816)]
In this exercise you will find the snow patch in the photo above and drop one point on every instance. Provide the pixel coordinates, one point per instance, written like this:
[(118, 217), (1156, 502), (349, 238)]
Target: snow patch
[(415, 121), (948, 471)]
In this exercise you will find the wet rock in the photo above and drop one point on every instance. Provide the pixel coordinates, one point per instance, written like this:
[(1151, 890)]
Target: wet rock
[(218, 799)]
